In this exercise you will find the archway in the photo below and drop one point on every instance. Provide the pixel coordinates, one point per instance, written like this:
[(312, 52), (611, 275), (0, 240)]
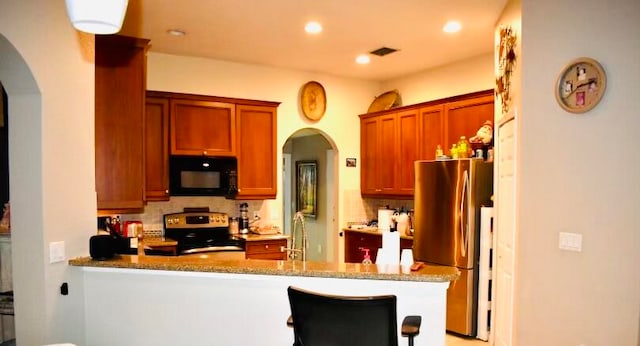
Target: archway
[(25, 170), (304, 146)]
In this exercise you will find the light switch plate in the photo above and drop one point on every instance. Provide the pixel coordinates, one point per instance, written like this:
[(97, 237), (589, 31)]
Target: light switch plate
[(56, 252), (570, 241)]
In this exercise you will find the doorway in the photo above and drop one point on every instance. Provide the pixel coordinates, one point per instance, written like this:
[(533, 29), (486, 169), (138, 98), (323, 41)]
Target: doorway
[(312, 146)]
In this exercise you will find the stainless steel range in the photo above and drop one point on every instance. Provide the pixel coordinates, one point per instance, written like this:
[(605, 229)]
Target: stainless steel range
[(200, 232)]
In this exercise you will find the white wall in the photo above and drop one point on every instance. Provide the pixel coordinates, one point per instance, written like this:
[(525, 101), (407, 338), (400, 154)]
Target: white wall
[(579, 173), (47, 71), (457, 78)]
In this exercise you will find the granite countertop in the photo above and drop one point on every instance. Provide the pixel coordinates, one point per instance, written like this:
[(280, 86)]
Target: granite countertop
[(428, 273), (373, 230)]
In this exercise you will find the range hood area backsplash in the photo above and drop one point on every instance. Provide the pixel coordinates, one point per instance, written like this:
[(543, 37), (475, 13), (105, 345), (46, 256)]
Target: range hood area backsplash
[(356, 208), (154, 211), (363, 210)]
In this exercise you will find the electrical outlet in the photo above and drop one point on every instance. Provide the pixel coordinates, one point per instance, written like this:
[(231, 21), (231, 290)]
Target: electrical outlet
[(256, 215), (319, 248)]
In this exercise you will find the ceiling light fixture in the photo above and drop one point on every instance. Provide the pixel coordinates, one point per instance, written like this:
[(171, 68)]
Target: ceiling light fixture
[(176, 32), (452, 26), (363, 59), (313, 28), (101, 17)]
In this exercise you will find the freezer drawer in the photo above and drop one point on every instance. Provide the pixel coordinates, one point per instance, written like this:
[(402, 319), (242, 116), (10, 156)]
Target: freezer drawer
[(462, 304)]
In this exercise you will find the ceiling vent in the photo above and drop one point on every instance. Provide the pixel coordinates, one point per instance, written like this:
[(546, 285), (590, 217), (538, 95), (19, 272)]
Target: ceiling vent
[(383, 51)]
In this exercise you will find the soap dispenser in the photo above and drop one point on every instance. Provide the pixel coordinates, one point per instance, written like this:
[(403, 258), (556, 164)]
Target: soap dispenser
[(367, 258)]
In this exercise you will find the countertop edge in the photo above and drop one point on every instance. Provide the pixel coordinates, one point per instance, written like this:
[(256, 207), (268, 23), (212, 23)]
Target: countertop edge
[(276, 268)]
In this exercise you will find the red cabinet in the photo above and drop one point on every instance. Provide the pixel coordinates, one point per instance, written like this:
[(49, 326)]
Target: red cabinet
[(355, 241)]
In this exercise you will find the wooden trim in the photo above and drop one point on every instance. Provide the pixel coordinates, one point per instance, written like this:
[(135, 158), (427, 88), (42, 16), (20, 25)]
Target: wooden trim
[(477, 94), (237, 101)]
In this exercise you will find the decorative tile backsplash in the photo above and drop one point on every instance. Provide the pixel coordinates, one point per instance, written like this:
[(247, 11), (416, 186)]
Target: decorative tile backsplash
[(152, 217), (358, 209)]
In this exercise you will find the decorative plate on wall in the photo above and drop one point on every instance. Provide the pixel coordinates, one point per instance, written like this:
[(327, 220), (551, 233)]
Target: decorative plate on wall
[(313, 100), (580, 85)]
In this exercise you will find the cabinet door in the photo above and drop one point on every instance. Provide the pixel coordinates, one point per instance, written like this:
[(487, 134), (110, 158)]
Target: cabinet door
[(354, 242), (407, 140), (464, 118), (368, 156), (202, 128), (257, 175), (378, 151), (119, 122), (157, 149), (431, 128), (386, 154)]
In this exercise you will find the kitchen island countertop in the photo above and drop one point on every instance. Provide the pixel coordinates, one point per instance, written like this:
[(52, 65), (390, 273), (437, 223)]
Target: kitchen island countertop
[(428, 273)]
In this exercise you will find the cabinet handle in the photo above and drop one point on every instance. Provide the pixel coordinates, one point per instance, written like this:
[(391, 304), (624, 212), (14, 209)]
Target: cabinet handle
[(166, 192), (204, 153), (266, 246)]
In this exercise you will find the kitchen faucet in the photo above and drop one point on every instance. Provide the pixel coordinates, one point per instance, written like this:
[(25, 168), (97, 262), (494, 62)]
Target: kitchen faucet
[(298, 218)]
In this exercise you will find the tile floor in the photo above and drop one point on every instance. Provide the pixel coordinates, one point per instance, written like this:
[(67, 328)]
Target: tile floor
[(454, 340)]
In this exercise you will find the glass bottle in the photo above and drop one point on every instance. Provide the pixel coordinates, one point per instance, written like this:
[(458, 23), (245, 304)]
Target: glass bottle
[(454, 151), (463, 147)]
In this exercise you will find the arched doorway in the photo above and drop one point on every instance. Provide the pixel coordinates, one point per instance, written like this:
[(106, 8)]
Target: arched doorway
[(313, 146), (25, 153)]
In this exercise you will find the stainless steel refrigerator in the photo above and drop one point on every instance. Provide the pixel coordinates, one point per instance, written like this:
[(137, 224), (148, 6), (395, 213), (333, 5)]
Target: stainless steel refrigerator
[(448, 197)]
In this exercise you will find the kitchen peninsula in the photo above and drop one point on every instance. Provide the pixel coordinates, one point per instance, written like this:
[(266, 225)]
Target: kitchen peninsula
[(158, 300)]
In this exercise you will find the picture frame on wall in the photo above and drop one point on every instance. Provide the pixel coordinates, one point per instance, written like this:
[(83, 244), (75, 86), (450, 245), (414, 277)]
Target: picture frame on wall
[(306, 188)]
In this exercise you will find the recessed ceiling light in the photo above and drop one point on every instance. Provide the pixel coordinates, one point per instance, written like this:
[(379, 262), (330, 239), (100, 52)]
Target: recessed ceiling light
[(452, 26), (313, 28), (176, 32), (363, 59)]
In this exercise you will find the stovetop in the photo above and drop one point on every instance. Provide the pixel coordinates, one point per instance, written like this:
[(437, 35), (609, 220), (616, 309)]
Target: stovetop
[(201, 231)]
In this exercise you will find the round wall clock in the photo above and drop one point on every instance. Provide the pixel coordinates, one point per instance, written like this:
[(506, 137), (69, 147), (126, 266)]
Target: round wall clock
[(580, 85), (313, 100)]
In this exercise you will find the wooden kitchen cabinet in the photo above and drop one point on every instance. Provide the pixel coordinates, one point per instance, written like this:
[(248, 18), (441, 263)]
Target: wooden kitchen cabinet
[(408, 145), (391, 141), (256, 134), (222, 126), (378, 147), (201, 127), (355, 241), (266, 249), (465, 117), (120, 83), (431, 131), (157, 148), (389, 145)]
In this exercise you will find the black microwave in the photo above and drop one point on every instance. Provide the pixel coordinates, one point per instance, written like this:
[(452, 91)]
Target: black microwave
[(203, 176)]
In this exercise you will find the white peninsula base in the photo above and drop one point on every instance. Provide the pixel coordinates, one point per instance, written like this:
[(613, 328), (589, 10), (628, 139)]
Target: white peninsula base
[(156, 307)]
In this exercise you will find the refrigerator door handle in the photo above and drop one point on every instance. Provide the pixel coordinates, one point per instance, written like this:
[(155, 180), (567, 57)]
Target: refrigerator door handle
[(464, 226)]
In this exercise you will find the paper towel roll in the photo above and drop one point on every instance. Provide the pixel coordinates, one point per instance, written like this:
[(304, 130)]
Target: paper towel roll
[(384, 219), (391, 248)]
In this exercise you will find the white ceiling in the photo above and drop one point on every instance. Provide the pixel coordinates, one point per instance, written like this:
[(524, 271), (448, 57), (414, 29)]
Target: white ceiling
[(271, 32)]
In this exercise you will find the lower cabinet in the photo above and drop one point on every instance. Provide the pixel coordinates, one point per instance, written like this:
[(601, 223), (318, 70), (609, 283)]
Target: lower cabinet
[(266, 249), (355, 241)]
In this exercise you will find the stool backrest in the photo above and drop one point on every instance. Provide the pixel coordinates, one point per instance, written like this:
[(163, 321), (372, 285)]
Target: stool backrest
[(320, 319)]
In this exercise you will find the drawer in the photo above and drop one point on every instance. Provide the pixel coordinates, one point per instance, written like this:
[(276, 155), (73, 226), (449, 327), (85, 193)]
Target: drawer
[(265, 246)]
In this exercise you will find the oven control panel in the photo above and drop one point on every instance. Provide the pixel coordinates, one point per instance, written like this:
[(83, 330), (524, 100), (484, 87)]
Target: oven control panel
[(196, 220)]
